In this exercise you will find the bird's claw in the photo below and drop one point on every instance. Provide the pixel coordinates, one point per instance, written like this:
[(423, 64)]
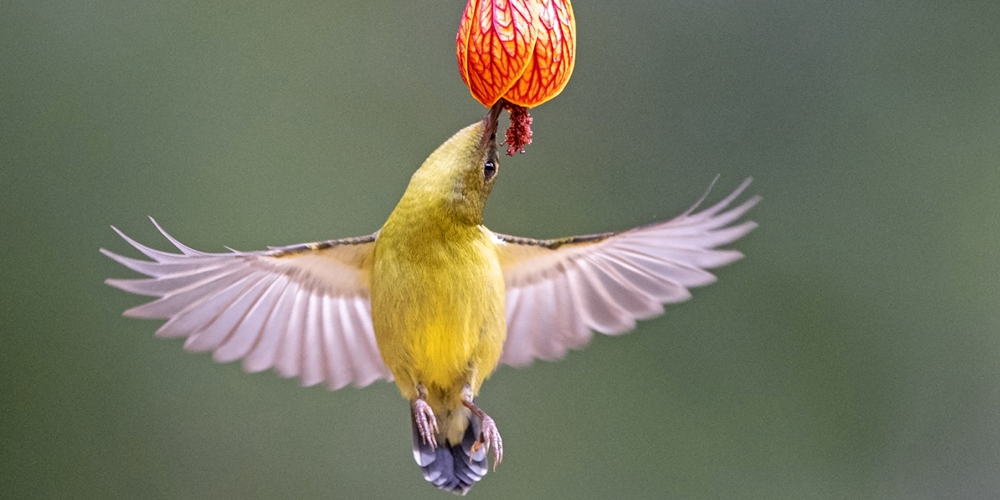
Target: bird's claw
[(427, 425), (490, 436)]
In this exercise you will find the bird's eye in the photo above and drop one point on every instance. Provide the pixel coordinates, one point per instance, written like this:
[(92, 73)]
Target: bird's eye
[(489, 169)]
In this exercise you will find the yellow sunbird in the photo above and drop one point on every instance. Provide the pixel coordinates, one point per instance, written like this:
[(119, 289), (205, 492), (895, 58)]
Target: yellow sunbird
[(434, 300)]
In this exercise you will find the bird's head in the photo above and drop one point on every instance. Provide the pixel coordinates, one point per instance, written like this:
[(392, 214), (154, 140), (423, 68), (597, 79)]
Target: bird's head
[(459, 175)]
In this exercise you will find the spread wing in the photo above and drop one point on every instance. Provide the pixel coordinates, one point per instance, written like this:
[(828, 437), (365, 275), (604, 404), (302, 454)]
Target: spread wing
[(302, 309), (559, 290)]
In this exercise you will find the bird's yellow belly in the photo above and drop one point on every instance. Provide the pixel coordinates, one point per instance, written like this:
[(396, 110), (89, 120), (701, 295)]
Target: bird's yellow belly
[(443, 350), (439, 325)]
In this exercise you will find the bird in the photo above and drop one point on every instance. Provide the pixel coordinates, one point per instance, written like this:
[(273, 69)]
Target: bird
[(433, 300)]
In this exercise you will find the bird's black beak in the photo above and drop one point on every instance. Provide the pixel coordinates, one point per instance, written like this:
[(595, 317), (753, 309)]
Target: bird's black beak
[(490, 122)]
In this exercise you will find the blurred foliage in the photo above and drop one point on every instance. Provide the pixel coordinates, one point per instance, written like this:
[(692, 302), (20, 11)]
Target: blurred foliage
[(853, 354)]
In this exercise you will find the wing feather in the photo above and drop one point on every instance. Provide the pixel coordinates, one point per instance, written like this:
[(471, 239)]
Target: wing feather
[(170, 304), (340, 371), (632, 299), (558, 291), (289, 354), (312, 369), (540, 329), (251, 324), (576, 332), (599, 311), (361, 319), (302, 310), (214, 334), (264, 354), (517, 347), (353, 371), (202, 312)]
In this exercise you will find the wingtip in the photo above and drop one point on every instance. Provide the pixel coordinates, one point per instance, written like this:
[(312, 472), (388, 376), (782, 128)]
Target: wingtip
[(112, 282), (186, 250), (702, 198), (119, 232), (135, 312), (727, 200), (744, 185)]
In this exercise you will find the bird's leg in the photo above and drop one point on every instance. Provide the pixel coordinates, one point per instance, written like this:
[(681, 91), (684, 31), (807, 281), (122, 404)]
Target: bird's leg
[(423, 417), (489, 435)]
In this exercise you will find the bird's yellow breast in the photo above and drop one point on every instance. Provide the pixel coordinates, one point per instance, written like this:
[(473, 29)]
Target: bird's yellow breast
[(438, 308)]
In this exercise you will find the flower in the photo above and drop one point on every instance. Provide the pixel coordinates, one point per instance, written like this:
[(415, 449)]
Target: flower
[(521, 51)]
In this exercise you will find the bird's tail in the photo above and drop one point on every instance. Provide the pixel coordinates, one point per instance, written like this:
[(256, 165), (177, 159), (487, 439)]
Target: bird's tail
[(452, 467)]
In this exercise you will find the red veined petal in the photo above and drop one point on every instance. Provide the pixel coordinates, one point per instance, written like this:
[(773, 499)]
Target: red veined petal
[(494, 45), (462, 39), (552, 62)]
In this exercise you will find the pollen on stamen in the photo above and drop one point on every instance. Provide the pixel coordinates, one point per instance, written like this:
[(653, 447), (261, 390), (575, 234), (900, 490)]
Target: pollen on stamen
[(518, 134)]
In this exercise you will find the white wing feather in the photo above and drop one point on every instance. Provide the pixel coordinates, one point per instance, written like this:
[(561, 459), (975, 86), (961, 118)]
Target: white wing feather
[(560, 290), (302, 310)]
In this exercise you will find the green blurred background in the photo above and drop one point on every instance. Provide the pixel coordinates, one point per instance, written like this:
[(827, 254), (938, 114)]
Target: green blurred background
[(853, 354)]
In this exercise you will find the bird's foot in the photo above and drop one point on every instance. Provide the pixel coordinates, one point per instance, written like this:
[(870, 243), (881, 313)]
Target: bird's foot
[(489, 434), (427, 425)]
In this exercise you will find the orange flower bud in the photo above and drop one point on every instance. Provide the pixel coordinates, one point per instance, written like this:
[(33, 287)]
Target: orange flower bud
[(519, 50)]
